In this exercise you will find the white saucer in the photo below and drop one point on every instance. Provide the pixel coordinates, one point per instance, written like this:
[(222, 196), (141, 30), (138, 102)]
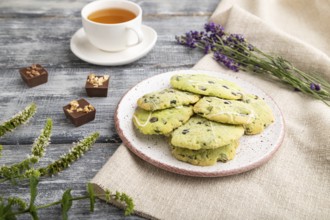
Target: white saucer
[(84, 50)]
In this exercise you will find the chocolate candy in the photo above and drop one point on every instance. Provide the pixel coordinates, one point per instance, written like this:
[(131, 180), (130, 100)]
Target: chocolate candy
[(79, 112), (97, 86), (34, 75)]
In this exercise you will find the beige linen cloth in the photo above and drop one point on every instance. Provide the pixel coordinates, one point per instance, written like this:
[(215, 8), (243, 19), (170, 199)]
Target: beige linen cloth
[(295, 183)]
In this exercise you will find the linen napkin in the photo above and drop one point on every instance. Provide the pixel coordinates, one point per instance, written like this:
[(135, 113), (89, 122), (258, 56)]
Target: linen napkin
[(295, 183)]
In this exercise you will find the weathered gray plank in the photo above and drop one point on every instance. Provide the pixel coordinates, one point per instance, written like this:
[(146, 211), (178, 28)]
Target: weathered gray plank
[(25, 41), (71, 8)]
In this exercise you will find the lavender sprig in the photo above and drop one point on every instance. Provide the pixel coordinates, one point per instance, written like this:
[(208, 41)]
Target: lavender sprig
[(235, 53)]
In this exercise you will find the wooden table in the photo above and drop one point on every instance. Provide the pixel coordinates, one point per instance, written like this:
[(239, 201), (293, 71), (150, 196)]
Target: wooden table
[(39, 31)]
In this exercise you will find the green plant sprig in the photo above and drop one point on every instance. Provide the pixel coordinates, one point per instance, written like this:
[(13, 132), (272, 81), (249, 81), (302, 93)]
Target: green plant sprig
[(12, 207), (18, 119), (23, 170), (38, 150), (74, 154), (1, 148)]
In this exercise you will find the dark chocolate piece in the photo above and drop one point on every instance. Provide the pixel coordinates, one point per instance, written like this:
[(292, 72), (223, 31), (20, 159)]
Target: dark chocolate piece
[(34, 75), (97, 86), (79, 112)]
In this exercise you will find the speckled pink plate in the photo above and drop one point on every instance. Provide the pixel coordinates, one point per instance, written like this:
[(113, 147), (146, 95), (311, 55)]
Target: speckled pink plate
[(252, 152)]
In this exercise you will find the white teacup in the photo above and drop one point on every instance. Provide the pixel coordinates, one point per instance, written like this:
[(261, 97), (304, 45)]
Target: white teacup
[(112, 37)]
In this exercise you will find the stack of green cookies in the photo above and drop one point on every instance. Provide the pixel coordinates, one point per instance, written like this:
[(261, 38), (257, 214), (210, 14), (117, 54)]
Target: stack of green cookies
[(203, 116)]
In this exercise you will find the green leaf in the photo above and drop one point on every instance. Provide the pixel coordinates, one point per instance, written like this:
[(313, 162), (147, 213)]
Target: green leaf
[(91, 194), (66, 203), (33, 190)]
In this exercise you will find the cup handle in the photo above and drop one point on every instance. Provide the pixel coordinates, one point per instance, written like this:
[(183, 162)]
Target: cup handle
[(138, 33)]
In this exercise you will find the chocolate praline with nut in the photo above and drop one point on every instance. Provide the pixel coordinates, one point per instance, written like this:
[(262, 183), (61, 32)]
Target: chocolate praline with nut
[(34, 75), (97, 86), (79, 112)]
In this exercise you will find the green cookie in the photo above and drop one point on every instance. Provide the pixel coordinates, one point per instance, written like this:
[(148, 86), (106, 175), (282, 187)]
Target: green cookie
[(263, 115), (200, 133), (224, 111), (207, 85), (162, 121), (167, 98), (206, 157)]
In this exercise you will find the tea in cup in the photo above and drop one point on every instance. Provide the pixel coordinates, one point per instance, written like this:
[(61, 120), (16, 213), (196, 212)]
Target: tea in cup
[(110, 24)]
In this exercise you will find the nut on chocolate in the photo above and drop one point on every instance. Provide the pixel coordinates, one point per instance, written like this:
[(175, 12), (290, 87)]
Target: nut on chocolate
[(34, 75), (97, 86), (79, 112)]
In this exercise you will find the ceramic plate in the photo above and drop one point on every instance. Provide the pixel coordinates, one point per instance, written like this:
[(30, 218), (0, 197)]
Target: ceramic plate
[(253, 151), (84, 50)]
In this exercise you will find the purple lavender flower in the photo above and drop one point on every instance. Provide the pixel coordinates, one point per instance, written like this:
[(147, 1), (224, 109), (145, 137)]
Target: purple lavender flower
[(238, 37), (234, 40), (197, 35), (207, 48), (251, 47), (190, 40), (314, 86), (229, 63), (210, 27), (229, 41), (214, 29)]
